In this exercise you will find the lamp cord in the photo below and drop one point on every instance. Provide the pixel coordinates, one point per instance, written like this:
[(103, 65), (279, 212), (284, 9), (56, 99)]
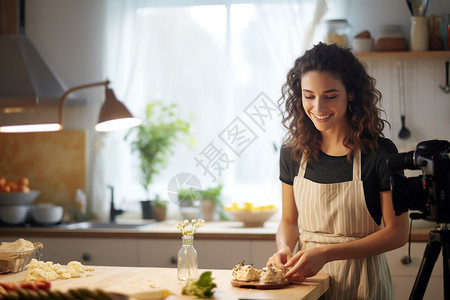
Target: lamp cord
[(406, 260), (71, 90)]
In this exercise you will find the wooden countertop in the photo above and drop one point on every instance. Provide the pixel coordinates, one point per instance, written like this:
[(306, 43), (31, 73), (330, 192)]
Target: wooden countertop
[(129, 280), (211, 230)]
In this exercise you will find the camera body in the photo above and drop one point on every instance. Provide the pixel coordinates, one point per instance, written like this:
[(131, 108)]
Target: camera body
[(428, 193)]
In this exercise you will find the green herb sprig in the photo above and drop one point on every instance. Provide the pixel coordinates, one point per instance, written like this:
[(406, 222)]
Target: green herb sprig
[(203, 287)]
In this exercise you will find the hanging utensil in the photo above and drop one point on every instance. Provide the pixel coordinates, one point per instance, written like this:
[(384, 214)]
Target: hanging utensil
[(446, 87), (408, 2), (404, 132), (419, 7)]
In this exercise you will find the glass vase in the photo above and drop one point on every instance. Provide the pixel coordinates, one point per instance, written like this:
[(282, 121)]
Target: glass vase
[(187, 260)]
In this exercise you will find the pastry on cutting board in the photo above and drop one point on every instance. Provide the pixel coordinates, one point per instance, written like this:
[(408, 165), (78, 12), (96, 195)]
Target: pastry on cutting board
[(243, 272)]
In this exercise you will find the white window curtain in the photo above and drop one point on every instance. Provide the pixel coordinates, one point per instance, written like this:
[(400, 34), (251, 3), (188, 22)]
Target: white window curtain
[(222, 63)]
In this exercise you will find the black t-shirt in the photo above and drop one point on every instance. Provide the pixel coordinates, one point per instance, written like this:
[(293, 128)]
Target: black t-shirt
[(375, 172)]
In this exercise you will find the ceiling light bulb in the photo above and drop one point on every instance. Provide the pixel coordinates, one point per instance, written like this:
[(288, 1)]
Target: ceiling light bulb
[(31, 128)]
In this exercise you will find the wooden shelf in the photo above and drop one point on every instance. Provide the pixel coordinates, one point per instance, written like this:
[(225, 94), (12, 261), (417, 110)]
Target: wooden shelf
[(404, 55)]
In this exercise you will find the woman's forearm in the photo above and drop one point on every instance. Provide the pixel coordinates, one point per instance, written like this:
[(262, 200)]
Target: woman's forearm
[(384, 240), (287, 236)]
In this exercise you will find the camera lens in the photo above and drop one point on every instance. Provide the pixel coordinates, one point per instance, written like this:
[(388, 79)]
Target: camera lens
[(408, 194)]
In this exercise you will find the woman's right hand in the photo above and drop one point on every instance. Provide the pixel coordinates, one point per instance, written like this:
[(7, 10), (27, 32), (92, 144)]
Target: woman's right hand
[(279, 258)]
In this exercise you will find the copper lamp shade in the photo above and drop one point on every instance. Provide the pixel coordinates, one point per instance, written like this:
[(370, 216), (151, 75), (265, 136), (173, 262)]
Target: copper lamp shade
[(114, 115)]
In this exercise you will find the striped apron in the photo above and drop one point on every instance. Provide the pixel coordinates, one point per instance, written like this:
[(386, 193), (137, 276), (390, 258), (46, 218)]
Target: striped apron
[(337, 213)]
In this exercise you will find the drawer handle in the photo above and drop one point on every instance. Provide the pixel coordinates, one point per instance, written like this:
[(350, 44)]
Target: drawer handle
[(86, 257), (173, 260)]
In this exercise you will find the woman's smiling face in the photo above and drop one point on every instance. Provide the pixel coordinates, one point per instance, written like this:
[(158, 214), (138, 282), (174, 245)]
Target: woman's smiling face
[(325, 101)]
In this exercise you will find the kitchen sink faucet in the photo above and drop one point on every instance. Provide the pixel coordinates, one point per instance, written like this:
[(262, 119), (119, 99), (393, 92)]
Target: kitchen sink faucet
[(113, 212)]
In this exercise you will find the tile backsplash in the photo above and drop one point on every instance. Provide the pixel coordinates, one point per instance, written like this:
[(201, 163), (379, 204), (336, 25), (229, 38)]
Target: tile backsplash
[(427, 107), (54, 162)]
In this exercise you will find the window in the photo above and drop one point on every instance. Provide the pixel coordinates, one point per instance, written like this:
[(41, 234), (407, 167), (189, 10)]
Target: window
[(223, 65)]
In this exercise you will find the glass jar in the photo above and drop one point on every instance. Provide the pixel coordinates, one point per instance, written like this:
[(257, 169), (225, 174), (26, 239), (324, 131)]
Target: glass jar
[(187, 260), (445, 31), (419, 33), (337, 32)]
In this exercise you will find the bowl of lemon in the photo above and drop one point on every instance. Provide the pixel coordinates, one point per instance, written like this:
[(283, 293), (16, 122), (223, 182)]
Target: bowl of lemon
[(249, 214)]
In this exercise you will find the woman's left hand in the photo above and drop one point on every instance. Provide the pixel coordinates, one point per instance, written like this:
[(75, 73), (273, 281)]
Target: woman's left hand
[(305, 263)]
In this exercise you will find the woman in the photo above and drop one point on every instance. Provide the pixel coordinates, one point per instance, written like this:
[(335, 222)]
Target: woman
[(335, 180)]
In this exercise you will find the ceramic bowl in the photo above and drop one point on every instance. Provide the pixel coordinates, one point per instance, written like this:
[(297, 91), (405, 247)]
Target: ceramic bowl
[(252, 218), (362, 45), (18, 198), (47, 214), (13, 215)]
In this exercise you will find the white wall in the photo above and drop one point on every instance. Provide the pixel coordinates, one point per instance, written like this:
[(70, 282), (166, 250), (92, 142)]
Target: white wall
[(69, 36)]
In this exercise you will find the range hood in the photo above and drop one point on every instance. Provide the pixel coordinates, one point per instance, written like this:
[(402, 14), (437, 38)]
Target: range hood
[(25, 79)]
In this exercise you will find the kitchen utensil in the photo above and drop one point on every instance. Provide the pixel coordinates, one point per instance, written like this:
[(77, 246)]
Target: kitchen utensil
[(18, 198), (13, 215), (47, 214), (404, 132), (419, 7), (446, 87), (14, 262), (408, 2)]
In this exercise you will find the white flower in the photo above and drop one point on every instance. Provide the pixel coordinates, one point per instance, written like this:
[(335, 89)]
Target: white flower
[(189, 228)]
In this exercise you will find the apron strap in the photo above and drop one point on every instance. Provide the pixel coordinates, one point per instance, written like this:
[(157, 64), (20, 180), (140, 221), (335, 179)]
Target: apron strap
[(357, 166)]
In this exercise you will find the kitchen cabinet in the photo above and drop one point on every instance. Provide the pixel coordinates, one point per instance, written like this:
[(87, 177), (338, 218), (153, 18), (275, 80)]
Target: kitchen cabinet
[(404, 276), (88, 251), (212, 253), (152, 252)]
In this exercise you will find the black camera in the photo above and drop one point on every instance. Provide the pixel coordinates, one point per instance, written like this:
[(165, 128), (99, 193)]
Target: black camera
[(428, 193)]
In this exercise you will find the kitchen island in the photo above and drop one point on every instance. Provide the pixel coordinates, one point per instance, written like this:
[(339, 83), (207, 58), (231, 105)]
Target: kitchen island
[(129, 280)]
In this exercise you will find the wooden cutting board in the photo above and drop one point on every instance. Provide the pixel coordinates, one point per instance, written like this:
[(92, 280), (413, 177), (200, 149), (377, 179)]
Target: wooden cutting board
[(259, 284)]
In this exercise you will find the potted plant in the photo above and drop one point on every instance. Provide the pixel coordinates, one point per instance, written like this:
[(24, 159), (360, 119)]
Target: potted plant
[(188, 200), (160, 209), (211, 201), (153, 140)]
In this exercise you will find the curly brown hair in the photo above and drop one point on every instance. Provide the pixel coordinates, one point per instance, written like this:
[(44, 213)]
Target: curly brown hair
[(364, 118)]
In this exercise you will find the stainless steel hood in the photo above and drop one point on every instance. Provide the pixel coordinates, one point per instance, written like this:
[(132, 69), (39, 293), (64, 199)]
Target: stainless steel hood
[(25, 79)]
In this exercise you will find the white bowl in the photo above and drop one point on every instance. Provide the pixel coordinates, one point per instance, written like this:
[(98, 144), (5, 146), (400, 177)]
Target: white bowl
[(362, 45), (47, 214), (252, 218), (13, 215), (18, 198)]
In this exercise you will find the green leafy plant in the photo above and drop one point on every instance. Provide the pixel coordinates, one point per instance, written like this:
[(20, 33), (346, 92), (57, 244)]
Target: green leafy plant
[(162, 203), (155, 137), (213, 194), (202, 288)]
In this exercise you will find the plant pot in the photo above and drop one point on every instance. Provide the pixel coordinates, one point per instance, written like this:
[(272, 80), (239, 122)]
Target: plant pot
[(208, 208), (147, 209), (159, 212)]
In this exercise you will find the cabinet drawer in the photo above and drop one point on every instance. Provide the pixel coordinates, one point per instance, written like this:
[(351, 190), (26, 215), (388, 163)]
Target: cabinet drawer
[(158, 252), (90, 251), (261, 251), (212, 254)]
